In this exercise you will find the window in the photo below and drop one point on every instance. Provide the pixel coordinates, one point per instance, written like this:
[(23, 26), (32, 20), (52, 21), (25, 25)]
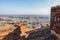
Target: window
[(58, 19), (55, 19)]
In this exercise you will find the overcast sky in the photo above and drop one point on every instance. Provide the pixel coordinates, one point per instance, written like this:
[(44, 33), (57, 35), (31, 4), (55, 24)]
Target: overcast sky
[(27, 7)]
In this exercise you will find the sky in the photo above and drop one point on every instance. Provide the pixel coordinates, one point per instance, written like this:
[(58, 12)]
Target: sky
[(27, 7)]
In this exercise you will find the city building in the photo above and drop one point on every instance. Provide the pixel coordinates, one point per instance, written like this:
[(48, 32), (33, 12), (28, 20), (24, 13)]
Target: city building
[(36, 33), (26, 28), (55, 18), (19, 31)]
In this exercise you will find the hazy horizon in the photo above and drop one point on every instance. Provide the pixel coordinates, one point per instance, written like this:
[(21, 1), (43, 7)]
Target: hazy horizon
[(27, 7)]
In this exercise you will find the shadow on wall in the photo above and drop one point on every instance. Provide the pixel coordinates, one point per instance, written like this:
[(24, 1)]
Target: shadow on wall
[(13, 35)]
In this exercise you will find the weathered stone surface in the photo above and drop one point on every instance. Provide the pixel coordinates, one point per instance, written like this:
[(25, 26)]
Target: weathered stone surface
[(55, 18)]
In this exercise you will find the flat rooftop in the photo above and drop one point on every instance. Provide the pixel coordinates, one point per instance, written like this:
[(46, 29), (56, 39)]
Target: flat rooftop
[(6, 28)]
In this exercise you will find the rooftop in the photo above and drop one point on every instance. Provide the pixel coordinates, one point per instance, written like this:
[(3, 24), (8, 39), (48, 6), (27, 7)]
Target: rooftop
[(6, 28)]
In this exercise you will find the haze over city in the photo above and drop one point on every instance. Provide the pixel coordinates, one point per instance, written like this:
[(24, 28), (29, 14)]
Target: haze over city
[(29, 19), (26, 7)]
